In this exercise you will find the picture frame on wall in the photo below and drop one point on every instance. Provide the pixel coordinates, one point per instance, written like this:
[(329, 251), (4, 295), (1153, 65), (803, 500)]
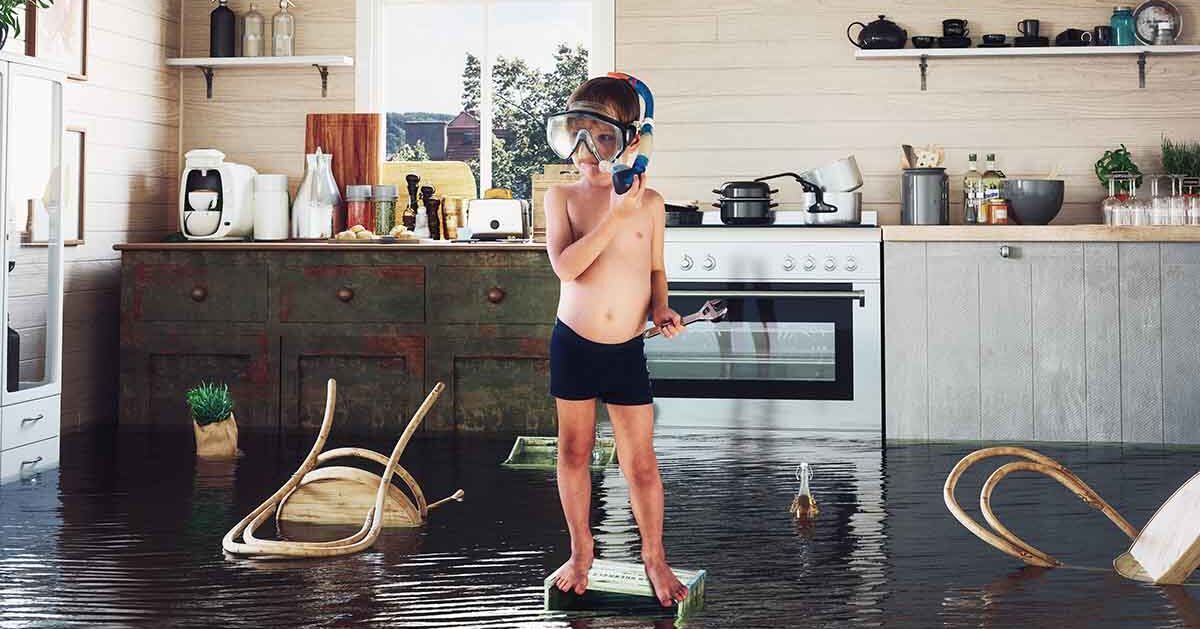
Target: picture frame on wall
[(59, 34)]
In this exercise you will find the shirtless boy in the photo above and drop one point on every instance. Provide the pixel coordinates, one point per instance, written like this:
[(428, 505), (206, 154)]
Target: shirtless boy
[(607, 250)]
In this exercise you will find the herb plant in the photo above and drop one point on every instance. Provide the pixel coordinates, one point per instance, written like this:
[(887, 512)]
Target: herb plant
[(209, 403), (1181, 158), (11, 10), (1117, 160)]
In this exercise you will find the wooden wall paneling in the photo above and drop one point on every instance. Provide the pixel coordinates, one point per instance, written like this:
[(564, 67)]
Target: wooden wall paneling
[(1181, 342), (1141, 343), (1059, 339), (905, 318)]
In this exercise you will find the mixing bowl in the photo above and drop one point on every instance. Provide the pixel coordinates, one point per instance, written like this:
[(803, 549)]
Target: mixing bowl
[(1033, 201)]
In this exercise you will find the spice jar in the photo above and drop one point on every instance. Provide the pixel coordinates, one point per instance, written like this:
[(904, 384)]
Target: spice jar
[(385, 208), (998, 207), (359, 210), (452, 211)]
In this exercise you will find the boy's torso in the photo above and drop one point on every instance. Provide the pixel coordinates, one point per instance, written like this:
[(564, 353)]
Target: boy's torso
[(608, 303)]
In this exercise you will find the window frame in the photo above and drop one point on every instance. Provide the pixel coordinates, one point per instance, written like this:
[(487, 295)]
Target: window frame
[(368, 63)]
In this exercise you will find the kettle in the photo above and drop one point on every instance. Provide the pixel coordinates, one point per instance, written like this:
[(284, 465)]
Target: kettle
[(878, 35)]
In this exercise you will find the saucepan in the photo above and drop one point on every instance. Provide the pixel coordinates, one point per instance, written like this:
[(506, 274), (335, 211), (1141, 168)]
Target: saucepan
[(840, 176), (846, 208)]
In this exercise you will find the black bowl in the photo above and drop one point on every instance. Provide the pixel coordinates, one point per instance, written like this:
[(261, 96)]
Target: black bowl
[(923, 41)]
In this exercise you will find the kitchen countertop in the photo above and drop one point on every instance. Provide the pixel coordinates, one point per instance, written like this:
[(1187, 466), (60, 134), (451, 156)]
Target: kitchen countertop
[(321, 245), (1049, 233)]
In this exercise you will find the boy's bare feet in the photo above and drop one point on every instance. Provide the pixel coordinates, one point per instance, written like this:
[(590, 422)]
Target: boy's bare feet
[(573, 575), (666, 586)]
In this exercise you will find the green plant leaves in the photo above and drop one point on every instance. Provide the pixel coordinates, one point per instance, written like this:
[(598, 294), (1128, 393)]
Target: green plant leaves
[(209, 403), (1117, 160), (1181, 158)]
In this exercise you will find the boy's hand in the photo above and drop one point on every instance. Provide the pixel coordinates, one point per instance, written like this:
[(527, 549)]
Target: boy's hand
[(628, 204), (668, 321)]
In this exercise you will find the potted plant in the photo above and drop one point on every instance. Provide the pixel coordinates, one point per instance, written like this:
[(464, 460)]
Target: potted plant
[(1118, 160), (11, 12), (1181, 158), (212, 421)]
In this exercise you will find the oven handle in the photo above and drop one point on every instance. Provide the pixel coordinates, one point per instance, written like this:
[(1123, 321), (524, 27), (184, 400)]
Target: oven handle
[(860, 296)]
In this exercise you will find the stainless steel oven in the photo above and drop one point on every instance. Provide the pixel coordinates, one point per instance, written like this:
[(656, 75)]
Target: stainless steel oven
[(800, 345)]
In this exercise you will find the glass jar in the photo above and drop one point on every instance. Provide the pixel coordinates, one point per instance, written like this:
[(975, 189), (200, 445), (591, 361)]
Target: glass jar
[(384, 197), (359, 210), (1123, 27), (283, 31), (253, 31)]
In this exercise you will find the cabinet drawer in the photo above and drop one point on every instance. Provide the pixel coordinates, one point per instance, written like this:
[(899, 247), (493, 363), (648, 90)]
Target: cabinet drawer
[(199, 292), (494, 294), (27, 422), (28, 460), (352, 293)]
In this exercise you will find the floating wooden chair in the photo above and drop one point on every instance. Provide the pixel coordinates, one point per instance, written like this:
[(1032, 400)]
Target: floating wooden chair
[(1167, 551), (339, 495)]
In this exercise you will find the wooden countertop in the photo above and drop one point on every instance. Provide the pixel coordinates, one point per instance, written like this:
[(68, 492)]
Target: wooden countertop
[(1048, 233), (321, 245)]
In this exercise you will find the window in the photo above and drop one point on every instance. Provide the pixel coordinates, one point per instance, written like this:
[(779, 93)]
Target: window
[(449, 73)]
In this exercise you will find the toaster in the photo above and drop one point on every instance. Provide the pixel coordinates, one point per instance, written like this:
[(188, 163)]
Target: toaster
[(493, 219)]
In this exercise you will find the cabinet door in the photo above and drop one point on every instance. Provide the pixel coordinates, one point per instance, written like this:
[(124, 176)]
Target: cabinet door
[(380, 381), (33, 235), (498, 383), (953, 345), (1005, 341), (158, 368)]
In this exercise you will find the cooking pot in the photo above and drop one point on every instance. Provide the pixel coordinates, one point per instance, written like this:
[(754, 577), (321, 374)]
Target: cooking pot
[(756, 189), (683, 215), (881, 34), (746, 211), (833, 208)]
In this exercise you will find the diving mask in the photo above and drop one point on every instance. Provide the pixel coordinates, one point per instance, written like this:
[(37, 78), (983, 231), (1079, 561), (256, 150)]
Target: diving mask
[(585, 123)]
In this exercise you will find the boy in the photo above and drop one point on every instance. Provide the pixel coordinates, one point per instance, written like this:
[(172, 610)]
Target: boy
[(607, 250)]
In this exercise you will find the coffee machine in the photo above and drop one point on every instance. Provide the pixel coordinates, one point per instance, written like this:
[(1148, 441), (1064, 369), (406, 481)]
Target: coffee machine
[(216, 197)]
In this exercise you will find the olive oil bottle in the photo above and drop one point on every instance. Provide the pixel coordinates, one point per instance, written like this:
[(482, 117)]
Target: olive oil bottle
[(972, 191), (993, 187)]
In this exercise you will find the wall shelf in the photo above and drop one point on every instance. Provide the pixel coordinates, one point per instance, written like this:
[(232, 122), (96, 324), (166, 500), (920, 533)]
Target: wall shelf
[(207, 65), (923, 55)]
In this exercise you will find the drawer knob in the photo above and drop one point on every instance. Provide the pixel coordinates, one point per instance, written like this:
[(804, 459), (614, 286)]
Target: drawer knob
[(30, 420), (1005, 251), (345, 294), (199, 293), (495, 295)]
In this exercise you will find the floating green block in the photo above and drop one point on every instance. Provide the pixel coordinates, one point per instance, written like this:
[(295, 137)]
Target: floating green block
[(623, 587), (541, 453)]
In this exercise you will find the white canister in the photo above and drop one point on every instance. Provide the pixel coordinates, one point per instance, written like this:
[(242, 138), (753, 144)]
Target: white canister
[(270, 207)]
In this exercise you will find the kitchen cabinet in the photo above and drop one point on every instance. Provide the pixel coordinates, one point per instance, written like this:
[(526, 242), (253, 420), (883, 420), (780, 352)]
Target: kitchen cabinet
[(31, 193), (1042, 341), (386, 323)]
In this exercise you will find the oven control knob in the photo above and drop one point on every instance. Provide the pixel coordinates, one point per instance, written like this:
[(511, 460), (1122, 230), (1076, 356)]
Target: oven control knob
[(710, 263), (789, 263), (851, 264), (809, 263), (830, 264), (686, 263)]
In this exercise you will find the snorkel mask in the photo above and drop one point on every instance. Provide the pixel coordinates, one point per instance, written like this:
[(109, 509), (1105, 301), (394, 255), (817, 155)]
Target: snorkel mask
[(604, 137)]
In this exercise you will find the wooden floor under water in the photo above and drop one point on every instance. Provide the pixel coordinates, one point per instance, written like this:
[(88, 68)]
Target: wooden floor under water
[(128, 533)]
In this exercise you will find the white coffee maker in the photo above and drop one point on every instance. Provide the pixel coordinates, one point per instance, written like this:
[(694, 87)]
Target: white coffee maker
[(216, 197)]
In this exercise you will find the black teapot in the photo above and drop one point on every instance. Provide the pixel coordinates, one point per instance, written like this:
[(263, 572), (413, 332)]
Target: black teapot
[(878, 35)]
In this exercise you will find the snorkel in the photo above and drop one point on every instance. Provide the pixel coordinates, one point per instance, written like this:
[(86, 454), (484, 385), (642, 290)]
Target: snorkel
[(624, 174)]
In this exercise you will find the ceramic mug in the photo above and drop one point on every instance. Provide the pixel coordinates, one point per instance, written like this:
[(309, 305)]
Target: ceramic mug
[(1102, 36), (955, 28), (1029, 28)]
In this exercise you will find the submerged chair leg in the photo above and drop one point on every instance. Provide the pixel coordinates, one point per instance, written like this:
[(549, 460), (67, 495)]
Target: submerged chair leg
[(373, 524), (1002, 538)]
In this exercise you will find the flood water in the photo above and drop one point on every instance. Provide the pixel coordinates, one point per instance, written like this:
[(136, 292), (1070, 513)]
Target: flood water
[(128, 532)]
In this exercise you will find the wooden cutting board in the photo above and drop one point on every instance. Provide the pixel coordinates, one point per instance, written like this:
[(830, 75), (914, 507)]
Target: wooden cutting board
[(354, 140)]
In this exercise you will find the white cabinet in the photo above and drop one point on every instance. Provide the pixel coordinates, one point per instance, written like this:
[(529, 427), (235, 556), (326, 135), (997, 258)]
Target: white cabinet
[(31, 286)]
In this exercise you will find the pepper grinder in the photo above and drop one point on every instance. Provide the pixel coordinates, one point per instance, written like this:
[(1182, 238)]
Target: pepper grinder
[(431, 207), (410, 212)]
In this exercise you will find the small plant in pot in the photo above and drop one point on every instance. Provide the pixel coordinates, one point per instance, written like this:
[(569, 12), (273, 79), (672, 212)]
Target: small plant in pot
[(10, 15), (213, 422)]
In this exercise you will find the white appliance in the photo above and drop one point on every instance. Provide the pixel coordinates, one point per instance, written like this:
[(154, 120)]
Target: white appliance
[(216, 197), (490, 219), (800, 347)]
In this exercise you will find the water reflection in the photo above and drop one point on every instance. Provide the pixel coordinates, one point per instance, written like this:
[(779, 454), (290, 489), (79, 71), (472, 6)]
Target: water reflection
[(128, 532)]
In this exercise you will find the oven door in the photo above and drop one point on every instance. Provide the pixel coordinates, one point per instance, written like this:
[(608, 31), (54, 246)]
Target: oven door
[(808, 352)]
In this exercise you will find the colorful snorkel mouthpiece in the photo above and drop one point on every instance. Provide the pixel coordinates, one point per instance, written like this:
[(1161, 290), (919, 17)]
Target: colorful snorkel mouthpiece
[(624, 174)]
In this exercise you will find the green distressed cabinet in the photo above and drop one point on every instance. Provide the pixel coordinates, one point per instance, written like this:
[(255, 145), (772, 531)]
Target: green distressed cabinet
[(276, 320)]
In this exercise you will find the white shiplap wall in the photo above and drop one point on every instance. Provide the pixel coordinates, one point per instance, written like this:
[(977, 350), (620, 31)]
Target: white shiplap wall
[(748, 88)]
